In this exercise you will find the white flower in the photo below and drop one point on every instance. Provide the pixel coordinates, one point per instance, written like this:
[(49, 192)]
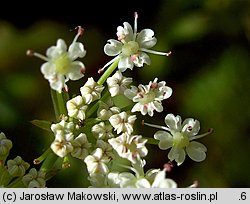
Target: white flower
[(149, 97), (81, 146), (91, 91), (131, 147), (97, 162), (154, 178), (63, 127), (77, 107), (160, 181), (102, 131), (117, 84), (179, 137), (128, 180), (106, 110), (61, 65), (62, 145), (131, 47), (107, 149), (122, 122)]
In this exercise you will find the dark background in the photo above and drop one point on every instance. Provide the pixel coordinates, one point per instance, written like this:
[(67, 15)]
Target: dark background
[(208, 71)]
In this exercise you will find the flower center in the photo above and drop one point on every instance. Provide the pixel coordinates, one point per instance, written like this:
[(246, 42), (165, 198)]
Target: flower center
[(130, 48), (62, 64), (147, 98), (180, 140)]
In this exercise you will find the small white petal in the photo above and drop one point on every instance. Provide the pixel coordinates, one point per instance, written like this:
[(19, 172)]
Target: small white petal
[(76, 50), (177, 154), (125, 63), (113, 48), (48, 69), (125, 33), (174, 123), (158, 106), (131, 93), (145, 38), (141, 59), (191, 127), (196, 151), (75, 71), (142, 183), (166, 140), (57, 83), (56, 51)]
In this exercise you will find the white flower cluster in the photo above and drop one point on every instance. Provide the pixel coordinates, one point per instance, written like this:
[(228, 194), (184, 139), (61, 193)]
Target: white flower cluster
[(102, 133)]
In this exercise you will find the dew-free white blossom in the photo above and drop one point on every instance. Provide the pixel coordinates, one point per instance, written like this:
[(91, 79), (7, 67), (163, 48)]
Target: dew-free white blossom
[(62, 145), (179, 137), (77, 107), (107, 149), (117, 84), (97, 162), (61, 65), (91, 91), (107, 109), (131, 48), (122, 122), (129, 180), (63, 127), (81, 146), (102, 131), (153, 178), (131, 147), (148, 98)]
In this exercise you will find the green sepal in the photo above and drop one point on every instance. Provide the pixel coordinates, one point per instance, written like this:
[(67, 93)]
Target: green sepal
[(43, 124)]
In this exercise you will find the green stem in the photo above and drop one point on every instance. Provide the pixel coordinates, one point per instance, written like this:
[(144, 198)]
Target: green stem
[(42, 157), (108, 72), (49, 162), (61, 104), (4, 176), (17, 183), (151, 141), (92, 110), (54, 101)]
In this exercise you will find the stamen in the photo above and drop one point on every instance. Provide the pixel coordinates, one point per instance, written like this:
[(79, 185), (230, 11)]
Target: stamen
[(42, 157), (66, 88), (83, 70), (79, 33), (202, 135), (31, 53), (100, 71), (168, 53), (106, 65), (156, 52), (142, 122), (66, 163), (168, 166), (156, 126), (135, 25)]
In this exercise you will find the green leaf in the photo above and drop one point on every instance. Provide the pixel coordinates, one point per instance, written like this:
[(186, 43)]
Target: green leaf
[(43, 124)]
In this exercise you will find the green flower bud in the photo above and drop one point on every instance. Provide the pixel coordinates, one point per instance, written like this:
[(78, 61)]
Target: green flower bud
[(17, 167)]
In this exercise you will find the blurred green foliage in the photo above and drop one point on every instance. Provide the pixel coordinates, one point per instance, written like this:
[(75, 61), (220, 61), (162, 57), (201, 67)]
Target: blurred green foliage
[(208, 71)]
